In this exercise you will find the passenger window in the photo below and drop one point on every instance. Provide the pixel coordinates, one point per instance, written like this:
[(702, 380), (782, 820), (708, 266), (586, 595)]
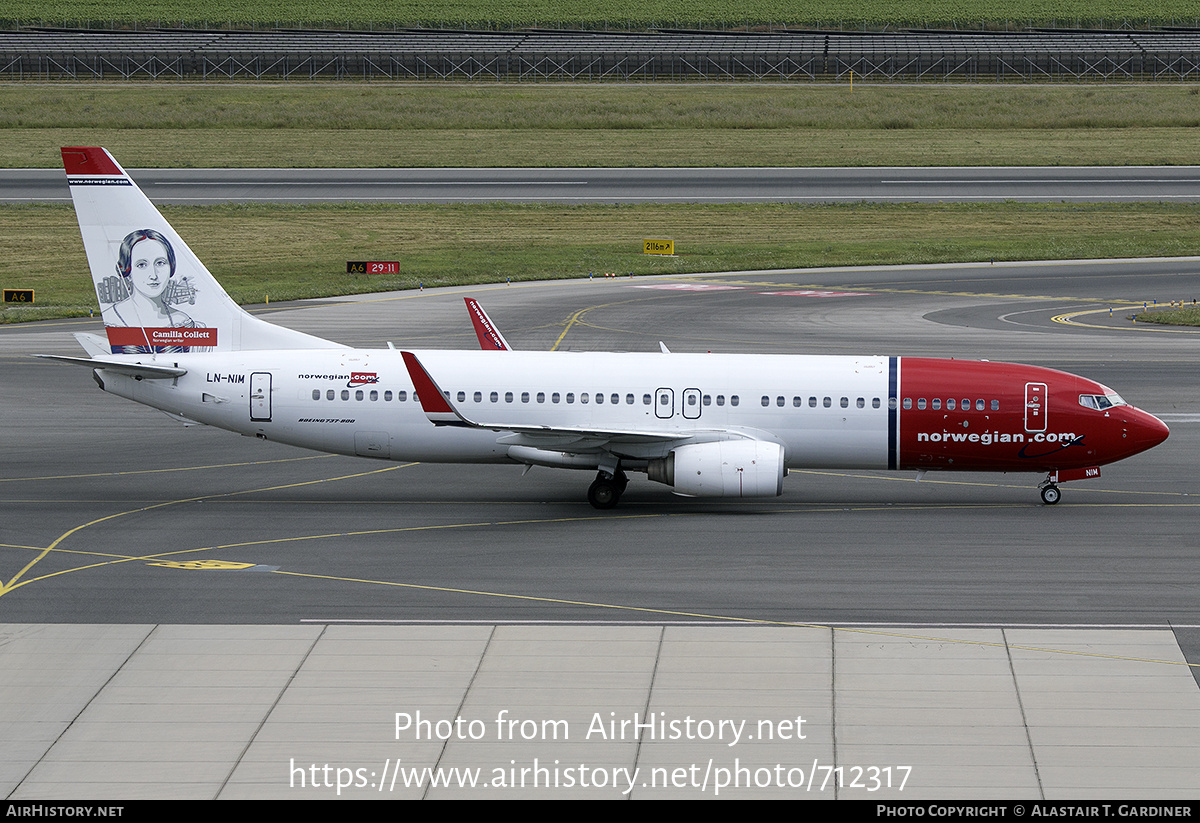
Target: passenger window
[(462, 396), (387, 396), (920, 402), (524, 397), (766, 401), (570, 397), (478, 397), (995, 405), (827, 402), (720, 400), (541, 397), (845, 402), (583, 397), (734, 400), (691, 399), (797, 401), (875, 402), (645, 400), (779, 401), (935, 403), (908, 402), (599, 397), (374, 394), (358, 395), (978, 405), (508, 397), (812, 402), (629, 399), (316, 394), (861, 403), (554, 398), (403, 395), (708, 400), (494, 397), (951, 405)]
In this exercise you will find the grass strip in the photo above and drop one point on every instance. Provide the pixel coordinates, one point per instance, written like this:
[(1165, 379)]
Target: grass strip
[(370, 125), (665, 148), (290, 252), (1187, 316)]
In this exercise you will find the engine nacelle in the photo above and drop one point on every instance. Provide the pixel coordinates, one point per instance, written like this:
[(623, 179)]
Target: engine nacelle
[(727, 468)]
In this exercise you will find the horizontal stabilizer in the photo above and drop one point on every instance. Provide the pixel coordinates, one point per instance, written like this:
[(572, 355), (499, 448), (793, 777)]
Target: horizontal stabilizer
[(143, 370), (93, 344)]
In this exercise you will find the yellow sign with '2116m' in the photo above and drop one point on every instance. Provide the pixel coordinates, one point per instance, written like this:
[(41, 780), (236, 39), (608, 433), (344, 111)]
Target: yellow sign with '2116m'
[(658, 247)]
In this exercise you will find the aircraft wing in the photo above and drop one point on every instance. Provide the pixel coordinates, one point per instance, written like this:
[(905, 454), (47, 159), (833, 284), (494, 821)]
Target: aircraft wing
[(143, 370), (441, 412)]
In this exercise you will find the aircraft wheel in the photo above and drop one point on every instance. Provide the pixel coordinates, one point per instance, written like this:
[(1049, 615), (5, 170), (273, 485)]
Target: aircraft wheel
[(1051, 495), (604, 493)]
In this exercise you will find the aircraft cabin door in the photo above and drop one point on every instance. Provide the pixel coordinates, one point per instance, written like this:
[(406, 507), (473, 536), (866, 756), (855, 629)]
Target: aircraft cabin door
[(1035, 407), (260, 397), (664, 403), (691, 403)]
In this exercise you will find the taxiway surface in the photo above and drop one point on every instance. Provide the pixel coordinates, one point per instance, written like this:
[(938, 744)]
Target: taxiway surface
[(837, 547)]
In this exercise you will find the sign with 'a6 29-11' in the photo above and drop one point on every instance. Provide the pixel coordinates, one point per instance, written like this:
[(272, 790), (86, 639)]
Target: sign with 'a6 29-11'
[(373, 267)]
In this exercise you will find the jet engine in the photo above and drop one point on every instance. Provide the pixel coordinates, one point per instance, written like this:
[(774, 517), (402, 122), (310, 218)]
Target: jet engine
[(726, 468)]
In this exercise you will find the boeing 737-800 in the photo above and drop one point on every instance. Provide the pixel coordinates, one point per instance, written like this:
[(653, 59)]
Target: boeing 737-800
[(707, 425)]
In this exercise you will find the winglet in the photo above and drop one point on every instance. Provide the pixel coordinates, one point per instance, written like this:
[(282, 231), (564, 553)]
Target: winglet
[(434, 402), (490, 338)]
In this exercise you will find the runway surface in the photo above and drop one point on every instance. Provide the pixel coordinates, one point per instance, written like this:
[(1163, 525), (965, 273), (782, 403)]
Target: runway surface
[(115, 514), (727, 185)]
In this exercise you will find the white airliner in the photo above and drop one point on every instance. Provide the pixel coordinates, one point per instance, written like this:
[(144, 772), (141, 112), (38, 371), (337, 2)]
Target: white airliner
[(707, 425)]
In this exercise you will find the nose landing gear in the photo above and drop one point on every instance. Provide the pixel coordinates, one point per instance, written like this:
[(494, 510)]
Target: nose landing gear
[(1049, 486)]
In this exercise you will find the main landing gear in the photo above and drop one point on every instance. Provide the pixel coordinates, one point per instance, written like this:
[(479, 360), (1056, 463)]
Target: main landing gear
[(606, 489)]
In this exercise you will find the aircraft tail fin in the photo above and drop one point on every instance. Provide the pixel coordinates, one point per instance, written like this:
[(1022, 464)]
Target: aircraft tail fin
[(490, 338), (155, 295)]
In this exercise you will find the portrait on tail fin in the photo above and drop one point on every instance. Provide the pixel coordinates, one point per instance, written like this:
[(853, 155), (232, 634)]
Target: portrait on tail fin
[(140, 304)]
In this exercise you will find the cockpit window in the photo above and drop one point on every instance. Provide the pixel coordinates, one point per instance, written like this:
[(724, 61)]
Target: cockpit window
[(1101, 401)]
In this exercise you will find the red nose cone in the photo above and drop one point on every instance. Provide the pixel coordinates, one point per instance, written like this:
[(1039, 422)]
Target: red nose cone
[(1148, 431)]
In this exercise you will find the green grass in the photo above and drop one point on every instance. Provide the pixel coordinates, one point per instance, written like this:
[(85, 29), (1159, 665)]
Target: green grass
[(622, 14), (359, 125), (291, 252), (1189, 316), (619, 107)]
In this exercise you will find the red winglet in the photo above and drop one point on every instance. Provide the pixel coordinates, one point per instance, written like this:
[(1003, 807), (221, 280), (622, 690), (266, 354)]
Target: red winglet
[(91, 160), (433, 402), (490, 338)]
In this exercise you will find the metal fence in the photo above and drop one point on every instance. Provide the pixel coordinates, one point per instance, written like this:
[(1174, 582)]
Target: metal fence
[(599, 56)]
